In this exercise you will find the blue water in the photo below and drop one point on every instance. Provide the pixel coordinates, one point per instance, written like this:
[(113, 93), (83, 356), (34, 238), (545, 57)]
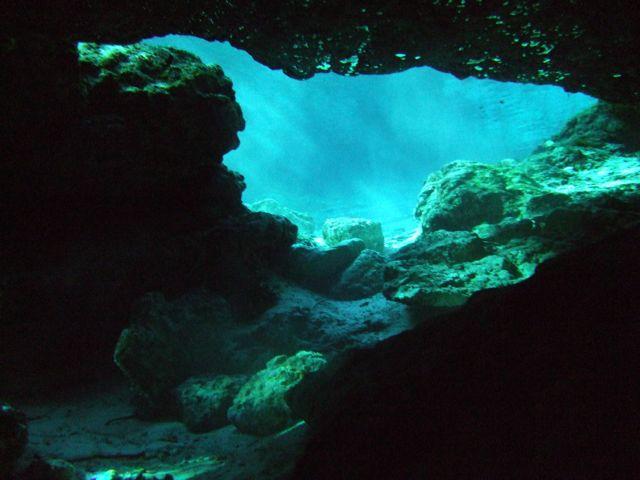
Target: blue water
[(362, 146)]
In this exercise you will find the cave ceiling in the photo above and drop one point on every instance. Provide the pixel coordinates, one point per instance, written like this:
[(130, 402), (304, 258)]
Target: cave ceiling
[(582, 46)]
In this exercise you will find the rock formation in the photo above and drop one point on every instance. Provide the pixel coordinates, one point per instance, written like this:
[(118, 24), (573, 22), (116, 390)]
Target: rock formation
[(112, 186), (548, 41), (304, 222), (488, 225), (336, 230), (526, 381), (13, 438), (203, 401), (259, 407)]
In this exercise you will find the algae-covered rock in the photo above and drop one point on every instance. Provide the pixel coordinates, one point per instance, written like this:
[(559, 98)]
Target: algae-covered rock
[(336, 230), (319, 268), (445, 285), (486, 225), (13, 438), (363, 278), (443, 268), (199, 110), (304, 222), (203, 401), (543, 366), (602, 124), (464, 194), (260, 407), (551, 42)]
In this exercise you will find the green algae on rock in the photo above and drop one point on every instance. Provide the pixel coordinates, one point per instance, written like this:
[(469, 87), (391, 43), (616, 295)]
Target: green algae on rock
[(203, 401), (260, 407), (499, 221)]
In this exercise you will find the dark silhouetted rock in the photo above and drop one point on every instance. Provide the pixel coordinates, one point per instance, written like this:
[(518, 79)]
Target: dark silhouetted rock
[(13, 438), (320, 268), (526, 381), (546, 42), (51, 469), (111, 187), (363, 278)]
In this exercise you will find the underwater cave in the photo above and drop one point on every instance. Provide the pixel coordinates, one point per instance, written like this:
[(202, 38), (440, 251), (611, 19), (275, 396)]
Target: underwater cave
[(320, 240)]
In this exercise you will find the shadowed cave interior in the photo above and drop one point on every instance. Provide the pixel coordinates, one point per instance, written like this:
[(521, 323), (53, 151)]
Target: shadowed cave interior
[(320, 240)]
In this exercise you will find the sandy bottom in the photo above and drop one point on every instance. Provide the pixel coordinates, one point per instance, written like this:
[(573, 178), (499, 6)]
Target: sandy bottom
[(93, 428)]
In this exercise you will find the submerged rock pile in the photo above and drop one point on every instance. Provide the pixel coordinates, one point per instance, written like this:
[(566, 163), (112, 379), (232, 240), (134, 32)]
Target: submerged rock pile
[(187, 357), (488, 225)]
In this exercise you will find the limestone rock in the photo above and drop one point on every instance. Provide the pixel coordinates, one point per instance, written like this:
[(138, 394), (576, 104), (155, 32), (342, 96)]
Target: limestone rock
[(319, 268), (444, 285), (260, 407), (602, 124), (13, 438), (304, 222), (464, 194), (336, 230), (203, 401), (363, 278), (490, 225)]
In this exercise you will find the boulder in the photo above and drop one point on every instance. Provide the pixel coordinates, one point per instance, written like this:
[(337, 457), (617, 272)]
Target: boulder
[(363, 278), (13, 438), (304, 222), (320, 268), (604, 123), (169, 341), (203, 401), (464, 194), (259, 408), (336, 230)]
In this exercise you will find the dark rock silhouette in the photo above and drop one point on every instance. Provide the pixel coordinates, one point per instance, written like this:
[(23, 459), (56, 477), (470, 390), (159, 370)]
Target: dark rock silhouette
[(533, 380)]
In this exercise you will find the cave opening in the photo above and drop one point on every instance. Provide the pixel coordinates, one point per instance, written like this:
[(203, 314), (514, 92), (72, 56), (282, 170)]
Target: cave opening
[(361, 146), (411, 276)]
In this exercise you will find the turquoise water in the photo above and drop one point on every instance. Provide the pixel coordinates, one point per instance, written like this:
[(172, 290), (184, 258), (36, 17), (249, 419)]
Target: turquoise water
[(362, 146)]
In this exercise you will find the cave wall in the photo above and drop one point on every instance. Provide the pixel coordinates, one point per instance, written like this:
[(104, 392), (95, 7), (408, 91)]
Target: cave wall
[(112, 185), (589, 49)]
